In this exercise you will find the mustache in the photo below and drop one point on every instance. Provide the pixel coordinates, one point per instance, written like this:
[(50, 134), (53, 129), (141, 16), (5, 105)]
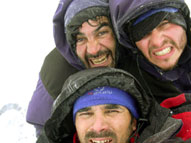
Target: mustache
[(164, 43), (106, 52), (93, 134)]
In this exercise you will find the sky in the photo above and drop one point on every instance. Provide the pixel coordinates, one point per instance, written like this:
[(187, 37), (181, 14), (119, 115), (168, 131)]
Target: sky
[(26, 36)]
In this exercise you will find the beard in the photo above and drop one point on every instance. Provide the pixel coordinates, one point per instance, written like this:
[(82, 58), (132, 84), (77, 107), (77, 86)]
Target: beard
[(106, 52)]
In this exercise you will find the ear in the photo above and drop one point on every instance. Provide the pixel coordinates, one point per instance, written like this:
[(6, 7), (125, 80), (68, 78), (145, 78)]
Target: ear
[(134, 124)]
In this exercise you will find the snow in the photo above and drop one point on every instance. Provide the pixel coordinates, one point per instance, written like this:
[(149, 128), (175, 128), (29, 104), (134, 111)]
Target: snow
[(14, 129), (26, 38)]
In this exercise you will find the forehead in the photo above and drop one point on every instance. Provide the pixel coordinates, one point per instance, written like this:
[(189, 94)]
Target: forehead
[(96, 22)]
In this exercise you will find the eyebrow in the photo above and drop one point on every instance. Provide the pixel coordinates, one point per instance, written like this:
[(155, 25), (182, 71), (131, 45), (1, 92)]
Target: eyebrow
[(112, 106), (98, 28), (163, 23), (84, 109), (102, 25)]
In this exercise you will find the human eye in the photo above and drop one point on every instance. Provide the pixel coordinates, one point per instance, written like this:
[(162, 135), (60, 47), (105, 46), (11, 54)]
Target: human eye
[(112, 111), (79, 39), (85, 114), (101, 33)]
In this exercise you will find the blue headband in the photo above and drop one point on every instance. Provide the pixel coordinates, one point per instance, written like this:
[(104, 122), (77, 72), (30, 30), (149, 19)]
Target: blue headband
[(153, 11), (106, 95)]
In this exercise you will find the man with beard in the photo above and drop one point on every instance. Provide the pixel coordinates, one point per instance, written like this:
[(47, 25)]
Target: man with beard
[(107, 105), (84, 39), (105, 114), (157, 32)]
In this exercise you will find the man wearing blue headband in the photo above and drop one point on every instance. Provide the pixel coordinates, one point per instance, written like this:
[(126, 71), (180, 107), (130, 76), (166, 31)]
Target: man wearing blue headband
[(105, 114), (107, 105), (157, 34)]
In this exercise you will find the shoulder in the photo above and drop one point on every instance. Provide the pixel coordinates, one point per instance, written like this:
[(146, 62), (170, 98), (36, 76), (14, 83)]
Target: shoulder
[(55, 70)]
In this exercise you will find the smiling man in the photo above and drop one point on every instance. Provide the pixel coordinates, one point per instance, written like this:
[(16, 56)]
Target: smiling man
[(157, 32), (163, 41), (89, 33), (105, 115), (84, 39), (95, 43), (107, 105)]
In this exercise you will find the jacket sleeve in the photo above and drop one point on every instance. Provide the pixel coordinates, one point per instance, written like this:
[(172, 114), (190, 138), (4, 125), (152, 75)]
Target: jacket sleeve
[(177, 140), (39, 108), (181, 108), (55, 70)]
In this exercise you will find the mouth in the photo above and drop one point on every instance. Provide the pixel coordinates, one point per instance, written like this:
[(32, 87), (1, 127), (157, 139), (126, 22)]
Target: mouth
[(100, 141), (163, 52), (102, 60), (99, 60)]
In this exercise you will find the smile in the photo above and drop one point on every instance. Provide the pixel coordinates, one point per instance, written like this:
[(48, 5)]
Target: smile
[(163, 52), (99, 60), (103, 141)]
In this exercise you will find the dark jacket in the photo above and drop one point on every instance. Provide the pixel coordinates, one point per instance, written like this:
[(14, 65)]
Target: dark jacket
[(124, 12), (61, 63), (54, 67), (163, 86), (60, 128), (58, 65)]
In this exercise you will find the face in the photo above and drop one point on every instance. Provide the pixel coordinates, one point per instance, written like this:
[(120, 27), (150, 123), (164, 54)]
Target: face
[(104, 124), (164, 45), (95, 43)]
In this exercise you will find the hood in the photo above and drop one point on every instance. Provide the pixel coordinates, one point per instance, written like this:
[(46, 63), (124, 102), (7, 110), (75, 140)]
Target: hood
[(64, 17), (123, 11), (59, 128), (60, 37), (80, 83)]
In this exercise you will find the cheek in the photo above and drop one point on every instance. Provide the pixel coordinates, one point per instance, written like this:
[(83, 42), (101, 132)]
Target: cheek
[(80, 51), (80, 128), (178, 35), (142, 46), (109, 40), (109, 43), (182, 39)]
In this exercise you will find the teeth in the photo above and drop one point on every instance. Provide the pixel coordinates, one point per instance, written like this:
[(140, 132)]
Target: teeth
[(163, 52), (104, 141), (99, 60)]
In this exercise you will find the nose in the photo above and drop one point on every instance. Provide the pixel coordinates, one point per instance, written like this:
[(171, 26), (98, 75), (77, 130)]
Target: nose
[(156, 38), (99, 124), (93, 47)]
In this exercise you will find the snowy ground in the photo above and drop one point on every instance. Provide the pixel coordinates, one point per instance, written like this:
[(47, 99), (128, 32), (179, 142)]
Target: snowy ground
[(26, 37), (14, 129)]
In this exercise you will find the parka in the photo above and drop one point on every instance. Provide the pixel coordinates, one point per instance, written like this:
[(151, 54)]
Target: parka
[(58, 65), (61, 62), (158, 125), (165, 86), (124, 12)]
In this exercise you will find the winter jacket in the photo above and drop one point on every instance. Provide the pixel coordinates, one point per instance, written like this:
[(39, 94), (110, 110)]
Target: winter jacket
[(55, 70), (164, 86), (54, 67), (61, 63), (158, 125), (58, 65), (124, 12)]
